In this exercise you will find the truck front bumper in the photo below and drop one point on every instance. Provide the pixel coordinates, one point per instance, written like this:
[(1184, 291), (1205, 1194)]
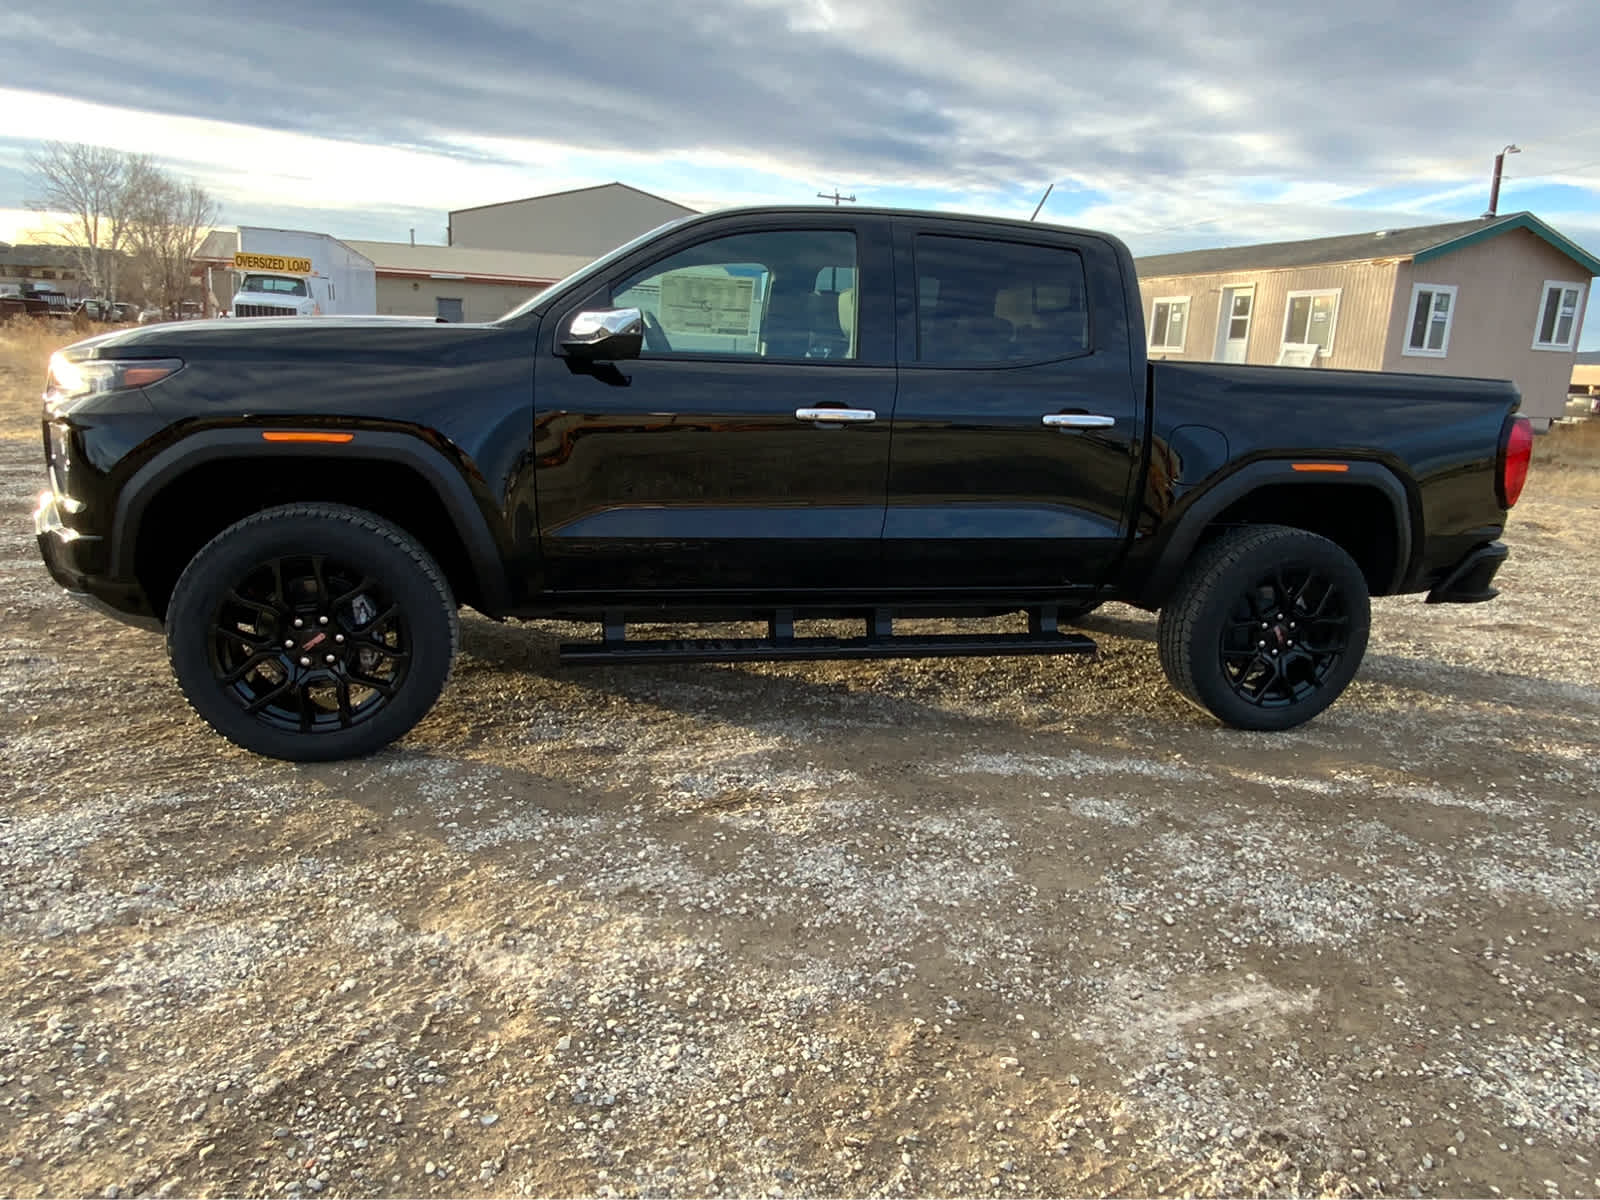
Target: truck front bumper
[(71, 557), (1468, 581)]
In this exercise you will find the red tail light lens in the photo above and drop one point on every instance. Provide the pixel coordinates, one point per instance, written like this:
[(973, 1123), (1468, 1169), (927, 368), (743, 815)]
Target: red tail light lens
[(1514, 460)]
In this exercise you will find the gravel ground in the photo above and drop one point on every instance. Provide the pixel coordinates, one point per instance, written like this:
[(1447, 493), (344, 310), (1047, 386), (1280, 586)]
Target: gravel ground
[(979, 927)]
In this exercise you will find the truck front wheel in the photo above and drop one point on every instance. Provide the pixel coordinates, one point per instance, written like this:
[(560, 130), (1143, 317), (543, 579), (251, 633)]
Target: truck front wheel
[(1266, 627), (311, 632)]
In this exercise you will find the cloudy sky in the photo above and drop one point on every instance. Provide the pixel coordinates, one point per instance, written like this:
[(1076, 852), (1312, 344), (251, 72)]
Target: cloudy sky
[(1173, 125)]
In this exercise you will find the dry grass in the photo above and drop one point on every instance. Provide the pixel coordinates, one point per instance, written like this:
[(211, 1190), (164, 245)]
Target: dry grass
[(25, 349), (1566, 461), (1573, 444)]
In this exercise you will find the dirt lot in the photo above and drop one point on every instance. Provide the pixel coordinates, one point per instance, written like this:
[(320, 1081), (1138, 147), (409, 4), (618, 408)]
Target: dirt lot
[(977, 927)]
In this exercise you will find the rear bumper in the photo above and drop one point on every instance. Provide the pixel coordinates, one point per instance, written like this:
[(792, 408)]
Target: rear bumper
[(71, 557), (1468, 581)]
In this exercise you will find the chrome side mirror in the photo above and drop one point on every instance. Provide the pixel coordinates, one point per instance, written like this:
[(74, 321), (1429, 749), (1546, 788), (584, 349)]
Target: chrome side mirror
[(604, 334)]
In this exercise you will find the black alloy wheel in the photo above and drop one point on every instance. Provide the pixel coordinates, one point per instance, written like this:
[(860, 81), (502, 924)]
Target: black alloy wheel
[(1285, 636), (312, 632), (309, 644), (1266, 626)]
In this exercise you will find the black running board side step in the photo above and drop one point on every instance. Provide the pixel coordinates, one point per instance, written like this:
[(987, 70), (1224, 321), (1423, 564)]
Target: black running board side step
[(782, 646)]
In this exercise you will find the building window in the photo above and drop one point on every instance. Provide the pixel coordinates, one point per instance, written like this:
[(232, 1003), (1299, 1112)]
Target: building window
[(1169, 320), (1433, 308), (449, 307), (1310, 318), (1557, 326)]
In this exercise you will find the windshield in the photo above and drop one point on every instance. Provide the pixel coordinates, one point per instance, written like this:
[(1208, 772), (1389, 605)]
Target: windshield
[(593, 268), (275, 284)]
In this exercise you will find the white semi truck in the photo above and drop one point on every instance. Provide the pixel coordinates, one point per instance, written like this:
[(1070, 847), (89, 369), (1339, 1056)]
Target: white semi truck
[(291, 273)]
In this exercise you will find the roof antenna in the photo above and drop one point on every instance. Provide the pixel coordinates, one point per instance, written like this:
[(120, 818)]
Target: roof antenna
[(1042, 199)]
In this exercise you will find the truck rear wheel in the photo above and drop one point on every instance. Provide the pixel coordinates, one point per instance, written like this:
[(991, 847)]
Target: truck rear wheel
[(1266, 627), (312, 632)]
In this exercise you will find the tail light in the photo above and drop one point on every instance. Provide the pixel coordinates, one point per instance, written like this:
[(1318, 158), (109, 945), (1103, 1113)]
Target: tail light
[(1516, 451)]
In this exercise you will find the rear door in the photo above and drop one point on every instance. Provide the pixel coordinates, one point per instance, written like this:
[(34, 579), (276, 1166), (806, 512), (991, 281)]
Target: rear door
[(746, 451), (1017, 422)]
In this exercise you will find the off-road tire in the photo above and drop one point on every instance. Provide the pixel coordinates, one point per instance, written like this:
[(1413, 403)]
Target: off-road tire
[(1220, 584), (399, 568)]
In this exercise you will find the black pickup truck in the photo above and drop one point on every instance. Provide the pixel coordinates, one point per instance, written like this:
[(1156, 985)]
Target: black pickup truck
[(771, 415)]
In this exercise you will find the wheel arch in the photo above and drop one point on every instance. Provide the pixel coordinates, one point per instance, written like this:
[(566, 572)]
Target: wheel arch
[(194, 489), (1361, 506)]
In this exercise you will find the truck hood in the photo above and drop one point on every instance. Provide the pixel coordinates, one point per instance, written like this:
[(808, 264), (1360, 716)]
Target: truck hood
[(327, 338)]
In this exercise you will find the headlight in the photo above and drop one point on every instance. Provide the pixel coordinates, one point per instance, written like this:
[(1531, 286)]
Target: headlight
[(71, 379)]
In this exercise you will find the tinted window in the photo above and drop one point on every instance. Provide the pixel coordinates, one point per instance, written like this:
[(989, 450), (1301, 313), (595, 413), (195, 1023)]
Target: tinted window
[(274, 283), (981, 301), (767, 295)]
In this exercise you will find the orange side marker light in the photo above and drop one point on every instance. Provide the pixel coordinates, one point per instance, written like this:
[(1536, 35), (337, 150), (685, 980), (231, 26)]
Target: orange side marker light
[(275, 435), (144, 376), (1334, 467)]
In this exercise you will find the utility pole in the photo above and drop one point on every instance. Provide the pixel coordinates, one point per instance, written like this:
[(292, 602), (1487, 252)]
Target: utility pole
[(836, 197), (1494, 188)]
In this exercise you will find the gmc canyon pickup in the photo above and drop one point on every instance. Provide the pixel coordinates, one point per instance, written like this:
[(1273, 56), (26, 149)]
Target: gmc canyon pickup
[(767, 415)]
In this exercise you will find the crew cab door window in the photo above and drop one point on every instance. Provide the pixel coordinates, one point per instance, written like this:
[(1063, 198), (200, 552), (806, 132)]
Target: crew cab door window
[(710, 462), (788, 295), (987, 302), (1016, 418)]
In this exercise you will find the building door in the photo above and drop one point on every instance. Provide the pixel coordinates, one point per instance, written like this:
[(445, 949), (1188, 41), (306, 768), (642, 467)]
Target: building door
[(449, 308), (1233, 323)]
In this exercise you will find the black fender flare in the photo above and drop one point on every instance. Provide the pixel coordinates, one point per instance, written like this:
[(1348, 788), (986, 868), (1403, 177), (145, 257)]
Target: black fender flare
[(1199, 512), (446, 480)]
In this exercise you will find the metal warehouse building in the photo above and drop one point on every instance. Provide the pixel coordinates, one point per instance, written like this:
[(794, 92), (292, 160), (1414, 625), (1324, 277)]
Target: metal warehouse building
[(587, 221), (499, 253), (460, 284)]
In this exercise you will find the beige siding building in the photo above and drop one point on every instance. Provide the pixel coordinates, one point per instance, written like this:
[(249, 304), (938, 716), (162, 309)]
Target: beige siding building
[(587, 221), (1499, 297)]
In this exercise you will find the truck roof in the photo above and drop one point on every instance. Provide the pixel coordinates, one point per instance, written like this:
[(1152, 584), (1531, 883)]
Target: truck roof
[(812, 210)]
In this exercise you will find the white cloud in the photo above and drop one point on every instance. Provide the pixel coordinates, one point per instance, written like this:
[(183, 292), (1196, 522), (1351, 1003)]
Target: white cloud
[(1170, 124)]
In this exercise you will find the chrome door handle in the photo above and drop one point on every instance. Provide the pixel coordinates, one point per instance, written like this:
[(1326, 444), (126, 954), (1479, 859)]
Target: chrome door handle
[(839, 415), (1078, 421)]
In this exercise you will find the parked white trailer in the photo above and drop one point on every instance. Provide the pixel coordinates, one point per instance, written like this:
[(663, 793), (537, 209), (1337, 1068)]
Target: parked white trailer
[(292, 273)]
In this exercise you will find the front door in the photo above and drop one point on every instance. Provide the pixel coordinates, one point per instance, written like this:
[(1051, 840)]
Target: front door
[(1233, 323), (1018, 418), (715, 463)]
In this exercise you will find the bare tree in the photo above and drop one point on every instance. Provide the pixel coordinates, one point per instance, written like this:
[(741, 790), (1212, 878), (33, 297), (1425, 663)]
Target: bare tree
[(95, 186), (167, 221)]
